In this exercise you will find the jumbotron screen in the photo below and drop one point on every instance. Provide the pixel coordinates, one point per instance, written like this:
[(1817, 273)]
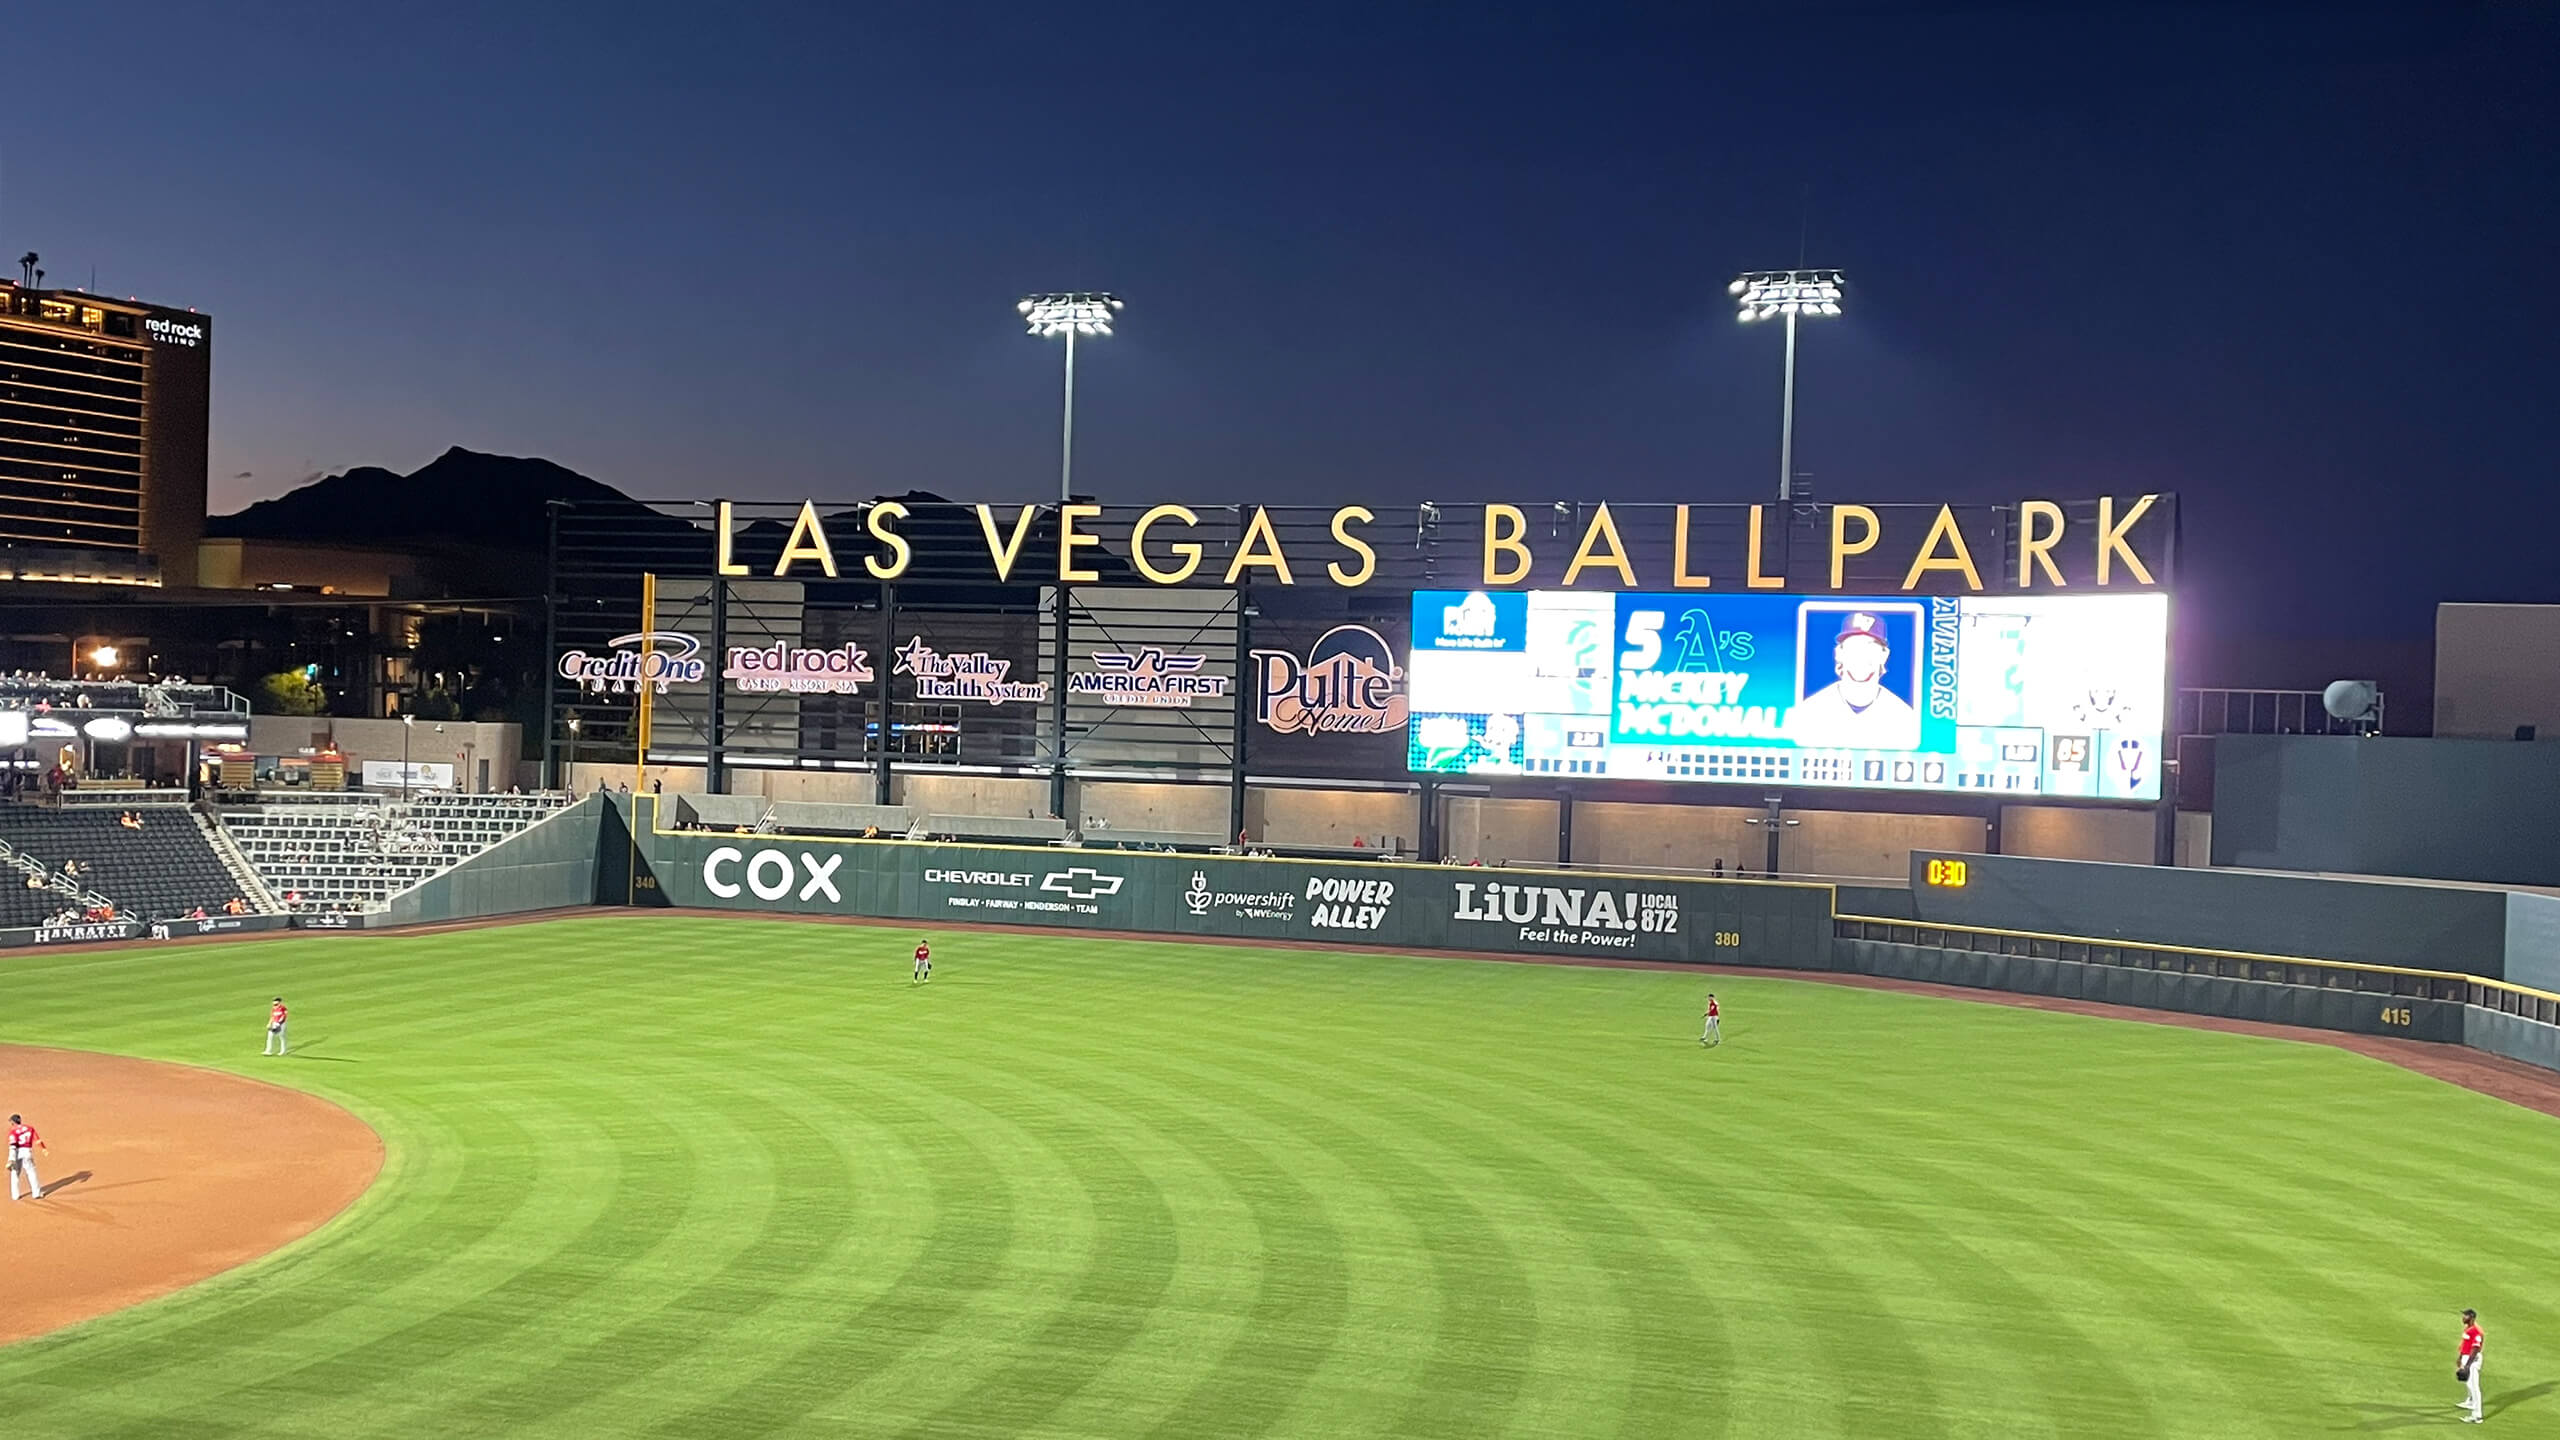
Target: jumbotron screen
[(2021, 695)]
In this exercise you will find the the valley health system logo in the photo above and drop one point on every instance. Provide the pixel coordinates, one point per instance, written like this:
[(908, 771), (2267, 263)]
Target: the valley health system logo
[(784, 669), (973, 676), (1150, 677), (1349, 684), (674, 658)]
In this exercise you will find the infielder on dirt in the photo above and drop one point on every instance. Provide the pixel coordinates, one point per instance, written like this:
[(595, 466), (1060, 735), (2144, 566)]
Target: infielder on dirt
[(275, 1028), (24, 1142)]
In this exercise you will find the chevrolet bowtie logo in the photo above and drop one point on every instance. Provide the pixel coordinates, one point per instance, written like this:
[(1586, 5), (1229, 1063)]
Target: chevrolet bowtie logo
[(1081, 883)]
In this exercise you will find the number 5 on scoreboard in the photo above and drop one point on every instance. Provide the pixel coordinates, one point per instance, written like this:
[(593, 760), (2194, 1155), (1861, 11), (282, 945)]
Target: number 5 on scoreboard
[(1644, 640)]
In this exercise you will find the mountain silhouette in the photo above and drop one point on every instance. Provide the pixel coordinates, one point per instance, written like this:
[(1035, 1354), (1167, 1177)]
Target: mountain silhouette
[(462, 497)]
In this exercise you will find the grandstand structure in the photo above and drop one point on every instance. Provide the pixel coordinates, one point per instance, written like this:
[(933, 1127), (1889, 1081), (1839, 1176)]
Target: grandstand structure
[(324, 853), (144, 855)]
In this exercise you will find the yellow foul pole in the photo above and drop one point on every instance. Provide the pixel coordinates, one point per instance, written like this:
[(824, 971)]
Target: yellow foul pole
[(648, 627)]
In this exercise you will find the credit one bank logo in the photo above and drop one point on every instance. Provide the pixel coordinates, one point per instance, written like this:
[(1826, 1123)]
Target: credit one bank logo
[(1349, 684), (673, 658)]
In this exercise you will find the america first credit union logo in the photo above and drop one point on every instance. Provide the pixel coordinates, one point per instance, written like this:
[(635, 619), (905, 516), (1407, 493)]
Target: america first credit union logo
[(1147, 677), (1349, 684), (646, 657)]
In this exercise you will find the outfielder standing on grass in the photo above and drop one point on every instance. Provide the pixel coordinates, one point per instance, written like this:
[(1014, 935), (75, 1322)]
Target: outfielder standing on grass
[(275, 1028), (1714, 1033), (924, 962), (24, 1142), (2466, 1366)]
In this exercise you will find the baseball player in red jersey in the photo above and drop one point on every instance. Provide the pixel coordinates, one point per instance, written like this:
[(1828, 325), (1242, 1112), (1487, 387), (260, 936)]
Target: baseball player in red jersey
[(1714, 1033), (24, 1142), (924, 962), (275, 1027), (2466, 1366)]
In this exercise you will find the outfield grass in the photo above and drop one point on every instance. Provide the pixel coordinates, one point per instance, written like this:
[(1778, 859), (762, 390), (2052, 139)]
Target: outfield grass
[(714, 1178)]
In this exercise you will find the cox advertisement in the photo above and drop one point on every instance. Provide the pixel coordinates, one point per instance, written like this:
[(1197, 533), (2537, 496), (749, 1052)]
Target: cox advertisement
[(2031, 695)]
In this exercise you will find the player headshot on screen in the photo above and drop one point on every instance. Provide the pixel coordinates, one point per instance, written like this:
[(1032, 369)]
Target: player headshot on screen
[(1856, 711)]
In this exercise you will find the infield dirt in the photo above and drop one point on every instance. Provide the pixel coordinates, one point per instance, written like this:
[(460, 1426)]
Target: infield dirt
[(161, 1176)]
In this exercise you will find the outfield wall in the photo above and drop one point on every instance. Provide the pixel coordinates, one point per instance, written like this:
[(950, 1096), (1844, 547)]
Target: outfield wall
[(550, 864), (1423, 907), (2363, 922), (2308, 1006)]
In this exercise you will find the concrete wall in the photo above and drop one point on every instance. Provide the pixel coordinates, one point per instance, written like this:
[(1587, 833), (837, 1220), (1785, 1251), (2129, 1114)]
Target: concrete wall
[(459, 743), (2497, 667), (1275, 816), (1140, 805), (1502, 831), (960, 794), (2533, 941), (2060, 832), (2476, 810)]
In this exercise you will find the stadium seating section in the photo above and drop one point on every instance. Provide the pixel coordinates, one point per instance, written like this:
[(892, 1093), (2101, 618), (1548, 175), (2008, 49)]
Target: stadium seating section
[(166, 868), (355, 852)]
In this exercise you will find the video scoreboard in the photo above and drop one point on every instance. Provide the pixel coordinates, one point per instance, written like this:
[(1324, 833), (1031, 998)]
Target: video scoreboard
[(2029, 695)]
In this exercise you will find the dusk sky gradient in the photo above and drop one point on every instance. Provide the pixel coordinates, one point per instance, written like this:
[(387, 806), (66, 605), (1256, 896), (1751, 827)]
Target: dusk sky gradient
[(2294, 263)]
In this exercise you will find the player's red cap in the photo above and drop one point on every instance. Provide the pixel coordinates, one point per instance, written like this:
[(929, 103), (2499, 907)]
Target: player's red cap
[(1863, 623)]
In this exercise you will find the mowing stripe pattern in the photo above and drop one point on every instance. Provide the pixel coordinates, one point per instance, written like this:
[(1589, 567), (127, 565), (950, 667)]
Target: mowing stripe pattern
[(692, 1177)]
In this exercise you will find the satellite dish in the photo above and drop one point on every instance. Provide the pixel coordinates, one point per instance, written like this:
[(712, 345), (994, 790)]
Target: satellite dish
[(2350, 700)]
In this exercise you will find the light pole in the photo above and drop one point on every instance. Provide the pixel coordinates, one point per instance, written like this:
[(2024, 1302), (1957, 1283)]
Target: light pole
[(1069, 313), (1762, 294), (408, 725)]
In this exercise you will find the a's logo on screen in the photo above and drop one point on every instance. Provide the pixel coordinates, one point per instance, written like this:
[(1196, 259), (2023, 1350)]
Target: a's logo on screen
[(1349, 684)]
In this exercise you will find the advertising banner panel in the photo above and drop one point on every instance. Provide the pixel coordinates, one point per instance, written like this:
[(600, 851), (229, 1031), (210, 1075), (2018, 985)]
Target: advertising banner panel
[(1426, 907)]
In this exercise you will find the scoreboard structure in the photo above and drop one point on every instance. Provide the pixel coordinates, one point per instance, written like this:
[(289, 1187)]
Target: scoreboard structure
[(1980, 653), (2020, 696)]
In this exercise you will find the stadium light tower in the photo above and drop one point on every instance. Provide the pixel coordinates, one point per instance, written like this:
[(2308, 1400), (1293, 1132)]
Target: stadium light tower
[(1766, 294), (1070, 313)]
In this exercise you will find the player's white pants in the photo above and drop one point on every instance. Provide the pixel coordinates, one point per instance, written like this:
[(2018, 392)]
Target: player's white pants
[(1713, 1034), (275, 1040), (2471, 1390), (26, 1160)]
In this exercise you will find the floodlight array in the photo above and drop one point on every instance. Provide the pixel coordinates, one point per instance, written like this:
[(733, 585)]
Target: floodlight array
[(1762, 294), (1075, 312)]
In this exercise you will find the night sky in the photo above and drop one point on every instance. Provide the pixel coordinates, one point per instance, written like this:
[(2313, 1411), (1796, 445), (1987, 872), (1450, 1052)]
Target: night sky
[(2293, 263)]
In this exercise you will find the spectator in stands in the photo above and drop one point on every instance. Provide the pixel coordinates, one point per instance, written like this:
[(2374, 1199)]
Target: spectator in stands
[(196, 914), (870, 832), (658, 786)]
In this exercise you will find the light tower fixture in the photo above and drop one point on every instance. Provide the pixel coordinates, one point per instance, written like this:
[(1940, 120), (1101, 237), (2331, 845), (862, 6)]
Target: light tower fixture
[(1769, 294), (1070, 313)]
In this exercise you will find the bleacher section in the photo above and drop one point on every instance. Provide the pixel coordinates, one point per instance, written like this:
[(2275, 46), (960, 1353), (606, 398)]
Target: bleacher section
[(166, 868), (354, 852)]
